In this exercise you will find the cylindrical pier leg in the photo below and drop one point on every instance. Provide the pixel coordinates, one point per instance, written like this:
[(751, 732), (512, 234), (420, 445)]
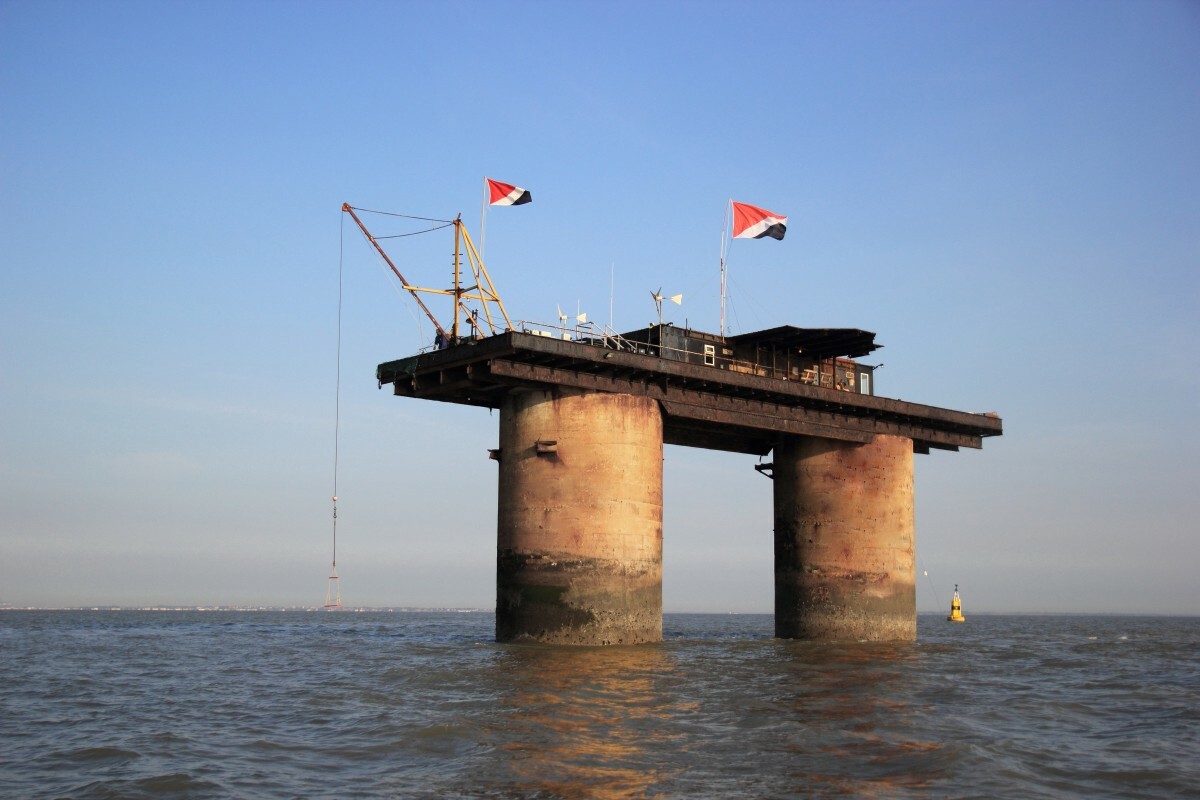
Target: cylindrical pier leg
[(844, 543), (579, 556)]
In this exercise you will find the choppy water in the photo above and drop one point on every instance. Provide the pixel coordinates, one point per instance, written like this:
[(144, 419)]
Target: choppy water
[(421, 705)]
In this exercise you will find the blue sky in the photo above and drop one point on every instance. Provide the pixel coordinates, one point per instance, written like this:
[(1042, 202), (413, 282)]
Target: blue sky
[(1007, 193)]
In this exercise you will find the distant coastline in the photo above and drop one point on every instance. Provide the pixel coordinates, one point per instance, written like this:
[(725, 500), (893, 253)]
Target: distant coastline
[(341, 610), (465, 610)]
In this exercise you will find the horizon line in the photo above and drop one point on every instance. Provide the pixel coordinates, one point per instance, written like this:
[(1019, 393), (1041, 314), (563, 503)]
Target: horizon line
[(477, 610)]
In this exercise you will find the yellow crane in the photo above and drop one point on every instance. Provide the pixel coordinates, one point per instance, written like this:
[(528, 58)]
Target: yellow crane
[(482, 290)]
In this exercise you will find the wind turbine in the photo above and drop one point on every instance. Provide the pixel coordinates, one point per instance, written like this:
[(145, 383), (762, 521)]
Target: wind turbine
[(658, 296), (562, 318)]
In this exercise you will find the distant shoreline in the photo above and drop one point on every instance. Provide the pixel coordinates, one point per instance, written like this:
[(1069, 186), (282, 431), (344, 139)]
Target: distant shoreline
[(340, 610), (457, 610)]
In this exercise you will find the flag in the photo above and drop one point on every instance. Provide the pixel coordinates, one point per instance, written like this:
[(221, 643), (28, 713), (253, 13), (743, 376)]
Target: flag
[(505, 194), (752, 222)]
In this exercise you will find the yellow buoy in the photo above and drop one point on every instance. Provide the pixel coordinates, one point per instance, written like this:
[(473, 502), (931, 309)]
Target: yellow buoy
[(956, 608)]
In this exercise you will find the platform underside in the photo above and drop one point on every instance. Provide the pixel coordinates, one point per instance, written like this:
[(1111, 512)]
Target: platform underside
[(702, 406)]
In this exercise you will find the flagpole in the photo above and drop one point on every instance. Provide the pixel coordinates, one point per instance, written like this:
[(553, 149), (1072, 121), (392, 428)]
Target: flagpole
[(483, 219), (724, 266)]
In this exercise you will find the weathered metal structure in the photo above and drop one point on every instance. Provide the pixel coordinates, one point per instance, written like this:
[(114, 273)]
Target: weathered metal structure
[(583, 421)]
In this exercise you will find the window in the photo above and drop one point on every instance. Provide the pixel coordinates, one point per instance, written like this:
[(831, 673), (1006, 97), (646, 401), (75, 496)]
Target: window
[(710, 355)]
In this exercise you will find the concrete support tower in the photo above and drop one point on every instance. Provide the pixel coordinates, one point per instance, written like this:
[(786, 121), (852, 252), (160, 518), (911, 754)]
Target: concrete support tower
[(579, 555), (844, 542)]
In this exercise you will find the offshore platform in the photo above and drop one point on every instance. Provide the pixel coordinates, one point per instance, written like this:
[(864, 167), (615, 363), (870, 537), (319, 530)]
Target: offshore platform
[(585, 412)]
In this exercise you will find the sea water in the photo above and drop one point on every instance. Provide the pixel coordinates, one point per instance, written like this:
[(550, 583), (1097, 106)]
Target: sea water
[(140, 704)]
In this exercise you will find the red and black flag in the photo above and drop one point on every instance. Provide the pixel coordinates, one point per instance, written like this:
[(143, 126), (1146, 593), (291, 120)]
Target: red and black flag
[(505, 194), (752, 222)]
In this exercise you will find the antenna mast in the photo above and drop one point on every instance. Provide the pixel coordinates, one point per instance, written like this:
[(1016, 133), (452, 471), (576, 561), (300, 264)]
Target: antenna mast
[(724, 266)]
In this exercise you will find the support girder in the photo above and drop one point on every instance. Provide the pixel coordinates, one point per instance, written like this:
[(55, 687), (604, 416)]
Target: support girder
[(702, 406)]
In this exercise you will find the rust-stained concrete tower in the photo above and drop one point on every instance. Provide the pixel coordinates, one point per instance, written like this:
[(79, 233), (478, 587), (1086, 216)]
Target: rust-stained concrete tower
[(582, 428), (579, 546), (844, 542)]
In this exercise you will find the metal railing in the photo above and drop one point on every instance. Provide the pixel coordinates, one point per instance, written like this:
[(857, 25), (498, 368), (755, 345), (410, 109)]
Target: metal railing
[(582, 332), (603, 336)]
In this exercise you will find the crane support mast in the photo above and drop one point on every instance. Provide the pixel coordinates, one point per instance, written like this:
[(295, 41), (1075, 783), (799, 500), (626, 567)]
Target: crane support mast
[(484, 288)]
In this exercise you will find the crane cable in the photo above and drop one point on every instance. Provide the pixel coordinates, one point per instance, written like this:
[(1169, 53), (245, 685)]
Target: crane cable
[(337, 392), (333, 591), (936, 596)]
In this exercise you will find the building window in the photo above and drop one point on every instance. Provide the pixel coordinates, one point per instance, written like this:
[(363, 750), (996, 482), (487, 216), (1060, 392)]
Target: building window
[(710, 355)]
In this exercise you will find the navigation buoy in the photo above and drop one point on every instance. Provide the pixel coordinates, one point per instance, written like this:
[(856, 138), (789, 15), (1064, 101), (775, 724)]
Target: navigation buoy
[(956, 608)]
